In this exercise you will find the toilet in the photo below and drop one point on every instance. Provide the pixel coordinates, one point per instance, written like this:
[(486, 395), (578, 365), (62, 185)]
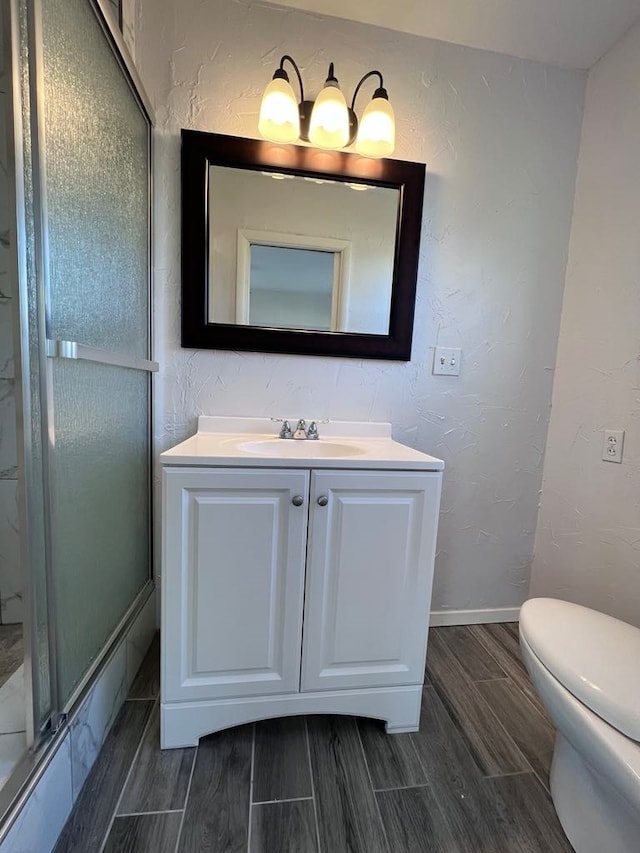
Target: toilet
[(586, 668)]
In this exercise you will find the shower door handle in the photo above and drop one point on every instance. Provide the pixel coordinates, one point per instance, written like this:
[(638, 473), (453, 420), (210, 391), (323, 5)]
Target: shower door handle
[(74, 350)]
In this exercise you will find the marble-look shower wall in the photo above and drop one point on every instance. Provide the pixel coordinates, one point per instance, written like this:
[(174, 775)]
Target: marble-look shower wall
[(10, 580)]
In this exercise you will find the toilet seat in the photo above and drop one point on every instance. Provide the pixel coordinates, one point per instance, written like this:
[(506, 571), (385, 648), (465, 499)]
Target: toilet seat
[(595, 657)]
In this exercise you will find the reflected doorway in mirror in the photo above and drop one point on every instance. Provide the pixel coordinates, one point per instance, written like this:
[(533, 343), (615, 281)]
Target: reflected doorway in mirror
[(292, 281)]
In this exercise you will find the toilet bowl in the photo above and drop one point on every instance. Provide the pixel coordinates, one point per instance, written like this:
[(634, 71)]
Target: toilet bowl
[(586, 668)]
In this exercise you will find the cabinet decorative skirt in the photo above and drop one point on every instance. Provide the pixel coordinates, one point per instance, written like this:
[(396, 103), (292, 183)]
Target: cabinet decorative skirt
[(184, 723)]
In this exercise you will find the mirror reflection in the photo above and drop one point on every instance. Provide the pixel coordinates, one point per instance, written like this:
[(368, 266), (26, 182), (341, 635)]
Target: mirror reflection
[(295, 252), (291, 288)]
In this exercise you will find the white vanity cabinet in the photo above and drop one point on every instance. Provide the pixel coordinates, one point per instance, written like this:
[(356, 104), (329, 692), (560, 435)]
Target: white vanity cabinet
[(293, 590)]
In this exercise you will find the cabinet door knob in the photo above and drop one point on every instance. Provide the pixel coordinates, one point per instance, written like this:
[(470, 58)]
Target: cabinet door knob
[(297, 500), (323, 500)]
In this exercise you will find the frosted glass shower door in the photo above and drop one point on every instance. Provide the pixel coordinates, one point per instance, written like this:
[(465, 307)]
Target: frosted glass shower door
[(94, 142)]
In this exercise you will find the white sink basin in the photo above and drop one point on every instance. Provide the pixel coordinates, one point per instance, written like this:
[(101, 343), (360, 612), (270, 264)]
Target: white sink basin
[(303, 449)]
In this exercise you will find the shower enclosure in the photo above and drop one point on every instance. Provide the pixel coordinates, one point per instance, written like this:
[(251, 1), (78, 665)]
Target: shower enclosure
[(77, 138)]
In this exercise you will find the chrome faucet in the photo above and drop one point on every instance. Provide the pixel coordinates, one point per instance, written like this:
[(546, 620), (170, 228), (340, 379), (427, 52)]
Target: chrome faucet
[(309, 432), (301, 430)]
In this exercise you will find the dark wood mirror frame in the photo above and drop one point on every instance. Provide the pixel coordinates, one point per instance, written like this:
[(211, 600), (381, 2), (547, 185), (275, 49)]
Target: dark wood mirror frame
[(202, 150)]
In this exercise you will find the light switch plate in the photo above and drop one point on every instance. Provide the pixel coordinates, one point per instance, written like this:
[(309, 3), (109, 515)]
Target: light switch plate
[(446, 361)]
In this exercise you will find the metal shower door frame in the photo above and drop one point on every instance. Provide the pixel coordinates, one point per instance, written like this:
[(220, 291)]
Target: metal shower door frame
[(35, 351)]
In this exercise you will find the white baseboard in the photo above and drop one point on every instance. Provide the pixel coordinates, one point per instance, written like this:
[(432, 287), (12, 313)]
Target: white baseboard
[(473, 617)]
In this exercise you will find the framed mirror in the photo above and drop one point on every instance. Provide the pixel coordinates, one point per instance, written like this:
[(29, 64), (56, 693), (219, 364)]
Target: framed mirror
[(290, 249)]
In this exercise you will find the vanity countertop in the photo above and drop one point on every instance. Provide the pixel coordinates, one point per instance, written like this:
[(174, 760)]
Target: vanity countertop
[(253, 442)]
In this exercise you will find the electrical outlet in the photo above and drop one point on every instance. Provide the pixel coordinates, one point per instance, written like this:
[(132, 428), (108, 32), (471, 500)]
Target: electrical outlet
[(446, 361), (612, 445)]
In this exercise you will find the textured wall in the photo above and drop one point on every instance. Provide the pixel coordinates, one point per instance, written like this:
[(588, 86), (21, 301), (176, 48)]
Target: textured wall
[(588, 538), (500, 138)]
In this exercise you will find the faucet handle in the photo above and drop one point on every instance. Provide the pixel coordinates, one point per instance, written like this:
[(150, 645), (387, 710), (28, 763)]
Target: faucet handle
[(312, 432), (285, 429)]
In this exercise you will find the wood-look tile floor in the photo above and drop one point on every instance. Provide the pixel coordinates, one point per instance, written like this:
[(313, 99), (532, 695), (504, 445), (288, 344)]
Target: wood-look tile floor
[(472, 780)]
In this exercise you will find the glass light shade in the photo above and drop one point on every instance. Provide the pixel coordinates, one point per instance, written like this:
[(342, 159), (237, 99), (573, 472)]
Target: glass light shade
[(329, 125), (377, 130), (279, 115)]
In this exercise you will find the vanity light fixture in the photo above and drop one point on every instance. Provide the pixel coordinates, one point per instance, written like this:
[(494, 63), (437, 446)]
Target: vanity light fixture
[(328, 122)]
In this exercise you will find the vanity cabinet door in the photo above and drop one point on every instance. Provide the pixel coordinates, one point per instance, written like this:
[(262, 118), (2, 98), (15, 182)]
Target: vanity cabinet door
[(233, 581), (370, 558)]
